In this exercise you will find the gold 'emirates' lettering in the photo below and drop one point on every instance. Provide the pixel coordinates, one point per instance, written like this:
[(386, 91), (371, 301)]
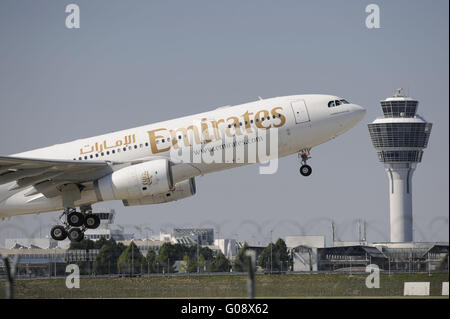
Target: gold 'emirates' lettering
[(230, 123), (259, 123), (279, 115), (153, 138)]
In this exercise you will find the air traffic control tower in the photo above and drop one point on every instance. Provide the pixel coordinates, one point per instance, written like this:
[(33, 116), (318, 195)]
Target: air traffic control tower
[(399, 139)]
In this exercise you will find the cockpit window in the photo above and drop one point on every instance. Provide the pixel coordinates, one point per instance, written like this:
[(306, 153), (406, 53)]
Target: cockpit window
[(337, 103)]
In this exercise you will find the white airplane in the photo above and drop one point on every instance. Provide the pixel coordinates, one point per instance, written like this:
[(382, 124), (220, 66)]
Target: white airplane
[(135, 165)]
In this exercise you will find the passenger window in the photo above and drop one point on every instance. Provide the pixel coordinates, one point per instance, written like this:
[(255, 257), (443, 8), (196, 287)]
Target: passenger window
[(331, 104)]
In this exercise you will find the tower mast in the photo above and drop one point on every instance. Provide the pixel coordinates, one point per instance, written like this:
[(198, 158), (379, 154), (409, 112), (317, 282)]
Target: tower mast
[(399, 139)]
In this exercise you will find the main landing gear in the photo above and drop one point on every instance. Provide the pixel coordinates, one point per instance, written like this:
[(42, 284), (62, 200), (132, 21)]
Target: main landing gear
[(75, 224), (303, 155)]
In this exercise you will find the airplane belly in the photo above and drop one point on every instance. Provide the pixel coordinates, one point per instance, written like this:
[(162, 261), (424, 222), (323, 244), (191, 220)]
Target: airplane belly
[(4, 191), (18, 203)]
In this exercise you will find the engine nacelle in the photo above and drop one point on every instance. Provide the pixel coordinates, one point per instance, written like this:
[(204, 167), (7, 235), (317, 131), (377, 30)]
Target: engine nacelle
[(136, 181), (182, 190)]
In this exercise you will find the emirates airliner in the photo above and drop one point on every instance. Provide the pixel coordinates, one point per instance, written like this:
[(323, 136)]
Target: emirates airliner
[(141, 166)]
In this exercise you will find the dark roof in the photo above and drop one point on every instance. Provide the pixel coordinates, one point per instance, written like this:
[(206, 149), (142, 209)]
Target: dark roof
[(437, 249), (373, 252), (353, 251)]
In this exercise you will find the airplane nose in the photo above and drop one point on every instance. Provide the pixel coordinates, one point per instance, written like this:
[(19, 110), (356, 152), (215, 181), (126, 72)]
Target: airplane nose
[(357, 112)]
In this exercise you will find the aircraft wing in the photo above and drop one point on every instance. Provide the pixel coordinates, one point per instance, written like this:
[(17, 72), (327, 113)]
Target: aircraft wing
[(46, 174)]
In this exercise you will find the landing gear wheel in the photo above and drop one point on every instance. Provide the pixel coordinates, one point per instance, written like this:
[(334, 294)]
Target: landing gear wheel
[(305, 170), (58, 232), (75, 234), (75, 219), (91, 221)]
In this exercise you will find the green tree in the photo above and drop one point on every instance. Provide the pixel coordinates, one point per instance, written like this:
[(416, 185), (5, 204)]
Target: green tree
[(185, 265), (131, 260), (275, 256), (443, 264), (151, 260), (282, 255), (106, 260), (100, 242), (241, 261), (200, 263), (267, 259), (168, 254), (207, 253), (220, 264)]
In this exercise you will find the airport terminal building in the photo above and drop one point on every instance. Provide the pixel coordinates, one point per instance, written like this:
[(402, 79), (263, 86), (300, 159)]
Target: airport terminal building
[(312, 255)]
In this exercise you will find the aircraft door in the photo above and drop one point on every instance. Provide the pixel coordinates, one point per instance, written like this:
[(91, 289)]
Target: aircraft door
[(300, 111)]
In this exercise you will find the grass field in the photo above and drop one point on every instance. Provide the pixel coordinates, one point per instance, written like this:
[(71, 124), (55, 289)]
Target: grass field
[(224, 286)]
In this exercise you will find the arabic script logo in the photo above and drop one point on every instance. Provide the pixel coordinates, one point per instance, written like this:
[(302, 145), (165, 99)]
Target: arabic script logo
[(146, 178)]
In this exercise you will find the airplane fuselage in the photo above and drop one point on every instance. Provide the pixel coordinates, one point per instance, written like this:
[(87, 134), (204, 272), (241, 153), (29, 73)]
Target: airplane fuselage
[(301, 121)]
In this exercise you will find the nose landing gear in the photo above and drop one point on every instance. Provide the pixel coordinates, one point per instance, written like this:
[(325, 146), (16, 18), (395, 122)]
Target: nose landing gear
[(75, 224), (303, 155)]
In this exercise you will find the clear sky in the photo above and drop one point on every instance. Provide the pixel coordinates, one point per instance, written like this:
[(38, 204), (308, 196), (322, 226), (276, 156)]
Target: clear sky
[(137, 62)]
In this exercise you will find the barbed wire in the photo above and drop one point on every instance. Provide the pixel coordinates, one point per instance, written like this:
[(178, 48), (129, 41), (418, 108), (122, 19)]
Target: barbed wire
[(256, 231)]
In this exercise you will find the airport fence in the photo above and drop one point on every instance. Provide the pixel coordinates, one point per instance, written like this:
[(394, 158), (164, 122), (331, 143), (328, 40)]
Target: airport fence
[(344, 277), (225, 286)]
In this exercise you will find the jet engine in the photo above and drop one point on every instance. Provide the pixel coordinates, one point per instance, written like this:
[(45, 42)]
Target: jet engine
[(136, 181), (182, 190)]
